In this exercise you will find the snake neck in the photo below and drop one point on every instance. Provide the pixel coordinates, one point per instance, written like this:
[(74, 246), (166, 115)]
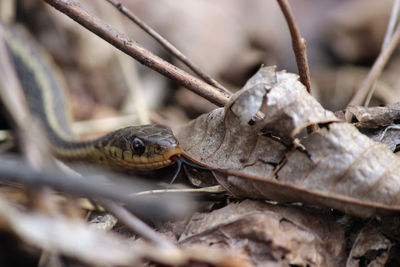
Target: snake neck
[(45, 93), (129, 148), (86, 151)]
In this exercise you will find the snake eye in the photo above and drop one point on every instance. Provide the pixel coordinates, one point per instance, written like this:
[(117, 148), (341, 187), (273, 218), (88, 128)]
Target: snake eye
[(138, 146)]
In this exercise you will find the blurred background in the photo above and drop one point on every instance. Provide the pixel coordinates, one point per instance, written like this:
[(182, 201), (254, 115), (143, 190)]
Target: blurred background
[(229, 39)]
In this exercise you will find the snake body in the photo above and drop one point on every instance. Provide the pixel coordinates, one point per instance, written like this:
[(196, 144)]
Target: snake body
[(131, 148)]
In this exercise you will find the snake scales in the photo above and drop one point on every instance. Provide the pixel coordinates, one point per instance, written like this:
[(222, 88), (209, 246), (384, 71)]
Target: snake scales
[(131, 148)]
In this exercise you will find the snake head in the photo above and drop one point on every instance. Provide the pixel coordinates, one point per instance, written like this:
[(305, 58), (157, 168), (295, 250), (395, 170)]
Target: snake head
[(140, 147)]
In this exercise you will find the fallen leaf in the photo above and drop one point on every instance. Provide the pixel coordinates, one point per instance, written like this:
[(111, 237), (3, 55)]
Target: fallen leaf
[(258, 143), (270, 234), (379, 123), (371, 248), (374, 117)]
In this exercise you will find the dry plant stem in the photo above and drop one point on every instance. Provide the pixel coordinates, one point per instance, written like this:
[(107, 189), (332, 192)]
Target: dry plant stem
[(388, 36), (299, 45), (299, 49), (375, 71), (392, 23), (15, 170), (136, 225), (72, 9), (167, 45), (216, 189)]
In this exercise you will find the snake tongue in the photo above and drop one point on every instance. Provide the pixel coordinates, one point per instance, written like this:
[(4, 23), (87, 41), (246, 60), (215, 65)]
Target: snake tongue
[(178, 169)]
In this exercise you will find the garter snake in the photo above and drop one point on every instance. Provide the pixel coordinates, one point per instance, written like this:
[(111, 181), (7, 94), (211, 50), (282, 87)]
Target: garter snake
[(131, 148)]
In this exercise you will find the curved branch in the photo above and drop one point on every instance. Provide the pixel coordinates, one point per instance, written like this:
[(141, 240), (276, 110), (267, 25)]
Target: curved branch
[(168, 46), (72, 9)]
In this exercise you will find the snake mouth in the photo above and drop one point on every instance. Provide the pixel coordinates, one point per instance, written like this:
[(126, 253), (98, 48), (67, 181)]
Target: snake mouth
[(156, 162), (169, 157), (173, 155)]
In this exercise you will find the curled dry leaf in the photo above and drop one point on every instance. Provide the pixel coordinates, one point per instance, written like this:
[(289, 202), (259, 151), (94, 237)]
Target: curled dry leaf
[(270, 234), (371, 247), (379, 123), (374, 117), (251, 142)]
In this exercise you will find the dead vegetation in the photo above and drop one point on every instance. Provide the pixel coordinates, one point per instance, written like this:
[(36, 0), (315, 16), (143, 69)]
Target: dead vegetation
[(285, 177)]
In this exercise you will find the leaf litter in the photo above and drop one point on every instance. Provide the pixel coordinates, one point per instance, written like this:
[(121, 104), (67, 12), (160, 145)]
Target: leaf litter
[(273, 234), (259, 146), (379, 123), (371, 246), (270, 234)]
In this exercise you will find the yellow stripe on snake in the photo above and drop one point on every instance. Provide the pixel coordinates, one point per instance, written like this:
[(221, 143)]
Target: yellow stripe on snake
[(131, 148)]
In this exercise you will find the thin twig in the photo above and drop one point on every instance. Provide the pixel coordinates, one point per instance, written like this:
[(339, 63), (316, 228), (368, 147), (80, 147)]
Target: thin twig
[(375, 71), (167, 45), (392, 23), (298, 43), (16, 170), (388, 36), (72, 9), (216, 189), (300, 50), (136, 225), (95, 186)]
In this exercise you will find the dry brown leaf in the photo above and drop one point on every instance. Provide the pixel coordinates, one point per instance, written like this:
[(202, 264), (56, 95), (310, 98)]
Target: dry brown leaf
[(379, 123), (371, 247), (270, 234), (374, 117), (336, 166)]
